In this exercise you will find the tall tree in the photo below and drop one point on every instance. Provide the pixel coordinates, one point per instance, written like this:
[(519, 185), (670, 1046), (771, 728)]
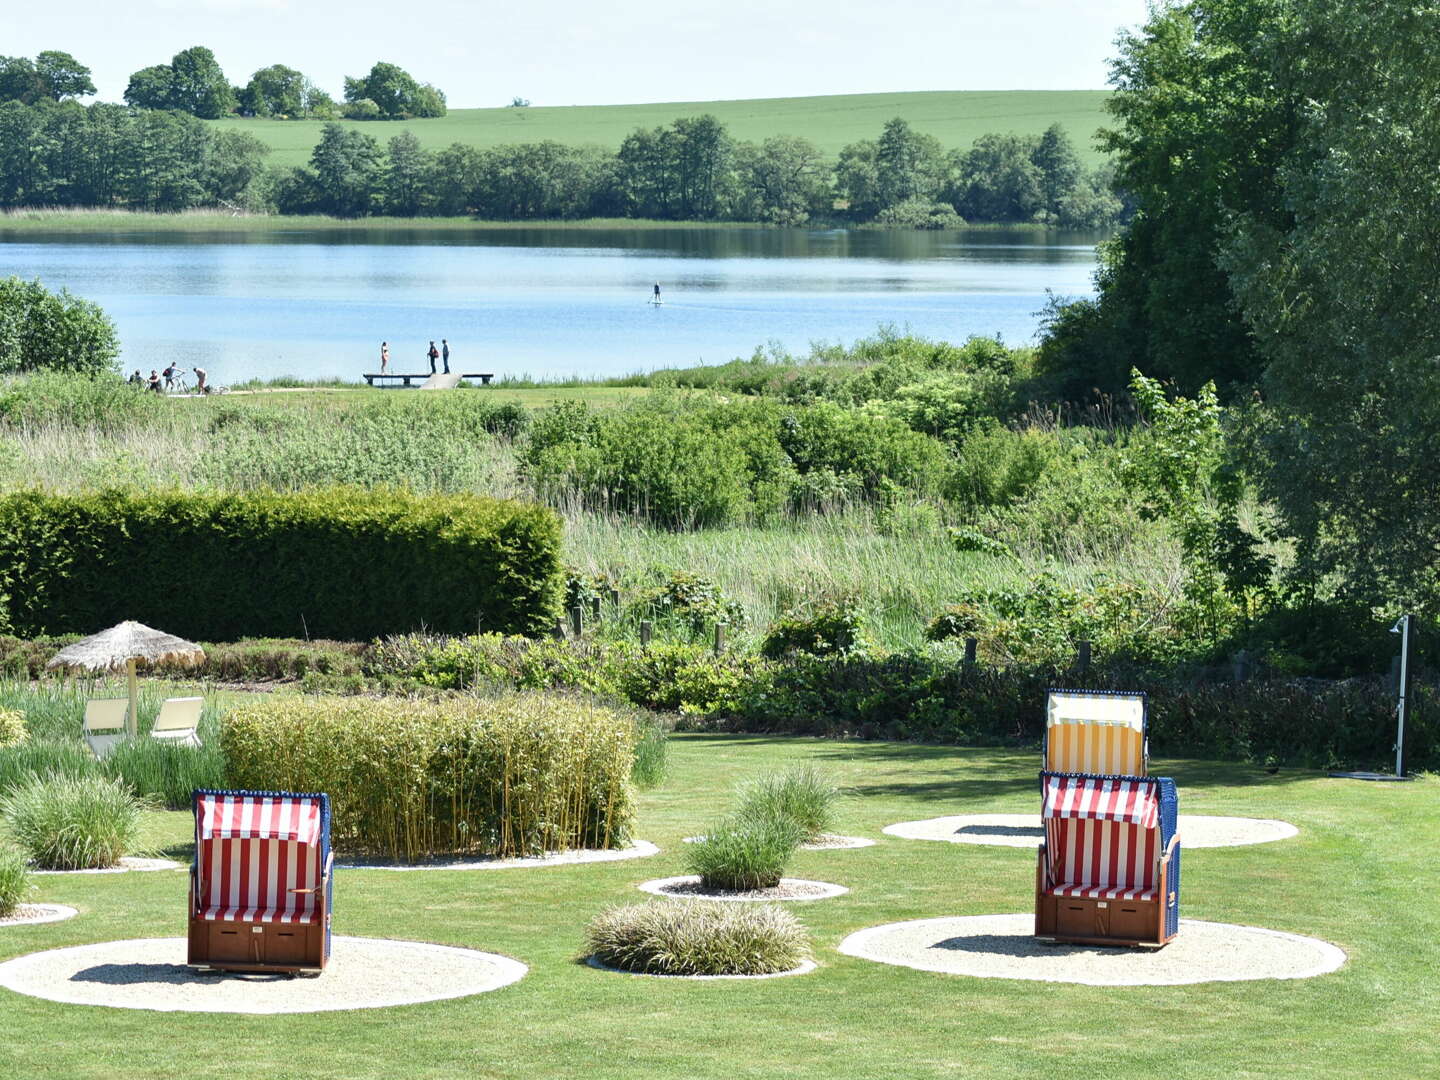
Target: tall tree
[(20, 81), (63, 75), (198, 85), (1059, 167), (407, 168), (347, 168), (150, 88), (781, 180), (908, 165), (395, 93)]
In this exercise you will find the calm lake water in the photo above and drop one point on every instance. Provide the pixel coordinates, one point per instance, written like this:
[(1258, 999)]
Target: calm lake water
[(543, 302)]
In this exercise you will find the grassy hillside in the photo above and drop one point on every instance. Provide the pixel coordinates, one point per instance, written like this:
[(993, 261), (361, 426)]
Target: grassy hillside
[(956, 118)]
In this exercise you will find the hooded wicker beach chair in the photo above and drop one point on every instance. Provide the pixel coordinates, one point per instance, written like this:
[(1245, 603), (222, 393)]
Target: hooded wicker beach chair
[(177, 720), (1098, 732), (1109, 869), (260, 888), (105, 724)]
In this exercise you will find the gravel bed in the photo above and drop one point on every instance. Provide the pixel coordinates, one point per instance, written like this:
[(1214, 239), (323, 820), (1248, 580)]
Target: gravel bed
[(28, 914), (689, 887), (804, 969), (1004, 947), (150, 973), (128, 863), (640, 849), (1024, 830)]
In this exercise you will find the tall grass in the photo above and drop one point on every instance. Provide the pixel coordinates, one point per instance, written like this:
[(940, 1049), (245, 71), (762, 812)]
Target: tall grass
[(743, 854), (699, 938), (651, 752), (14, 879), (81, 823), (804, 796)]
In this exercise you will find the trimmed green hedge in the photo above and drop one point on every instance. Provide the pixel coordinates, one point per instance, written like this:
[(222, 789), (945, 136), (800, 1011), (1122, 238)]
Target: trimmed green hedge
[(340, 563), (514, 775)]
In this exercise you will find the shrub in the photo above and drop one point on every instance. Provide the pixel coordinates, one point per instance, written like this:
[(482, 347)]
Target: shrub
[(694, 602), (920, 213), (803, 796), (831, 627), (12, 727), (340, 563), (515, 775), (14, 879), (103, 403), (41, 329), (699, 937), (744, 853), (956, 621), (967, 539), (80, 823)]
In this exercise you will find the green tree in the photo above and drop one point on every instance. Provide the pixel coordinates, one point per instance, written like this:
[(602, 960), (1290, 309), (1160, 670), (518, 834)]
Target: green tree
[(347, 169), (150, 88), (44, 330), (20, 81), (395, 93), (908, 165), (407, 169), (857, 179), (998, 180), (781, 180), (1059, 167), (198, 85), (276, 90), (63, 75)]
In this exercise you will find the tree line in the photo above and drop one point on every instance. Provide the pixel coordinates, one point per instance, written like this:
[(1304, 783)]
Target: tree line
[(64, 154), (194, 83)]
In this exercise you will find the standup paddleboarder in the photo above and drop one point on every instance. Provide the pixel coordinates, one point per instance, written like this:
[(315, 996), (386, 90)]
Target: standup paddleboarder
[(655, 298)]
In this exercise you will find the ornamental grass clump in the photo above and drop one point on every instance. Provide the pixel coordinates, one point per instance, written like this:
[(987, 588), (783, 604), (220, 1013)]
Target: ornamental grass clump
[(73, 823), (740, 854), (804, 796), (520, 774), (698, 937), (14, 879)]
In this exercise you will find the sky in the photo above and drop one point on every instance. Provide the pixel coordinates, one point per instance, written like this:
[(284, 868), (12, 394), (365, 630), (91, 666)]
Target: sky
[(593, 52)]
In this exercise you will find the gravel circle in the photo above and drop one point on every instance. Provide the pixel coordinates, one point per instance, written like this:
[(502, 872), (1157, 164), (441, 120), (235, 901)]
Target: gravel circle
[(688, 887), (1005, 947), (1024, 830), (804, 969), (150, 973), (827, 842), (29, 914), (640, 849), (126, 864)]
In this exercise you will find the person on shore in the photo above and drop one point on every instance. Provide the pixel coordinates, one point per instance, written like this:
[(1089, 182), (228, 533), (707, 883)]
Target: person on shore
[(200, 376), (155, 381), (445, 354), (169, 373), (655, 298), (384, 356), (433, 354), (136, 379)]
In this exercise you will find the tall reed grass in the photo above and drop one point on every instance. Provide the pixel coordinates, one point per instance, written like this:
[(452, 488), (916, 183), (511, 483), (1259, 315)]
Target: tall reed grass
[(14, 879), (804, 796)]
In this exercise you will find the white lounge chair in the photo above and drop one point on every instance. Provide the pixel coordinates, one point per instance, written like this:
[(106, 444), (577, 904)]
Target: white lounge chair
[(105, 724), (177, 720)]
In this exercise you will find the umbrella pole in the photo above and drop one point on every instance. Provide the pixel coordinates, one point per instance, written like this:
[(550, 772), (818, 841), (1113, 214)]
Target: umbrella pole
[(133, 721)]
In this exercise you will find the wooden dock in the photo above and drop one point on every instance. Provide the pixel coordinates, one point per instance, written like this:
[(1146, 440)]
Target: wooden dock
[(427, 380)]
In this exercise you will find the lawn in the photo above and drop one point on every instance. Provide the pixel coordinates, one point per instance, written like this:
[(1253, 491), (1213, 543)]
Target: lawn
[(1356, 875), (956, 118)]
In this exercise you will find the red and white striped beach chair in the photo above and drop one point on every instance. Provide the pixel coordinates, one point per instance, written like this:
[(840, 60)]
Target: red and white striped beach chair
[(1109, 869), (260, 887), (1101, 732)]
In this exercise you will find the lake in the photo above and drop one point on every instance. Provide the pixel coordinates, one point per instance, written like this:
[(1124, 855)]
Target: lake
[(549, 302)]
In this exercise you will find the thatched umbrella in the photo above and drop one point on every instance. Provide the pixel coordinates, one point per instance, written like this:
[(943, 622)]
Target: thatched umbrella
[(122, 646)]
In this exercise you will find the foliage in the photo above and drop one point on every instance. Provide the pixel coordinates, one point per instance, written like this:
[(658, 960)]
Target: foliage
[(56, 331), (652, 743), (803, 795), (743, 854), (51, 76), (12, 728), (283, 93), (698, 937), (192, 82), (395, 93), (692, 601), (165, 772), (340, 563), (78, 823), (14, 879), (830, 627), (920, 213), (518, 775)]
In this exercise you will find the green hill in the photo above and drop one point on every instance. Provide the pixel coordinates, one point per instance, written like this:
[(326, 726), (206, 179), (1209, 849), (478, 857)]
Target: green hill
[(956, 118)]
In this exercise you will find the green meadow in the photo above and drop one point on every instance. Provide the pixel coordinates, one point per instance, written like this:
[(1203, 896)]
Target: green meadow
[(956, 118)]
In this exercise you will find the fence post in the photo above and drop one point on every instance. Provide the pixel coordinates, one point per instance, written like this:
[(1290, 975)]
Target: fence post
[(1082, 658), (719, 638), (595, 608), (615, 599), (558, 630), (577, 620), (970, 646), (647, 631)]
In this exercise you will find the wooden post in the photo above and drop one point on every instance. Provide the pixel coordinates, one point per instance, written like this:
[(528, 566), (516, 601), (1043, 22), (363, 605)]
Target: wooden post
[(615, 599), (647, 631), (971, 644), (577, 620), (558, 630), (719, 638), (595, 608), (1082, 658)]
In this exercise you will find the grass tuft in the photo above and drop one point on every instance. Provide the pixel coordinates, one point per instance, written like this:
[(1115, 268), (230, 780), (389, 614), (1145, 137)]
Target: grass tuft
[(699, 937), (14, 879), (744, 854), (651, 749), (82, 823), (805, 796)]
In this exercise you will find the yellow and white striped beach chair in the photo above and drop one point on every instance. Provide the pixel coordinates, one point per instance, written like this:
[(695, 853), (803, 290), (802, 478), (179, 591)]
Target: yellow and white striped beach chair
[(1097, 732)]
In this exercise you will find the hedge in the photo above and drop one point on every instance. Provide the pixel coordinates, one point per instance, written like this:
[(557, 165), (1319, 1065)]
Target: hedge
[(513, 775), (340, 563)]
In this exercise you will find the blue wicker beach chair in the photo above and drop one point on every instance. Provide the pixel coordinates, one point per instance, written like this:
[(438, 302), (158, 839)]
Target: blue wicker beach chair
[(261, 885), (1109, 868), (1096, 731)]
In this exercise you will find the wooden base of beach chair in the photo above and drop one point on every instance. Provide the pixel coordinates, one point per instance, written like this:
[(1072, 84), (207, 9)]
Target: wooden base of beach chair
[(1076, 921), (242, 946)]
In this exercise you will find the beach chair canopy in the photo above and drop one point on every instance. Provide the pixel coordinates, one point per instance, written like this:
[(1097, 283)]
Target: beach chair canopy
[(259, 855), (1106, 835), (1097, 732)]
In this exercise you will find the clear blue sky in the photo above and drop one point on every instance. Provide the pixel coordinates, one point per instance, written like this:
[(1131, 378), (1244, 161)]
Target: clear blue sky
[(593, 52)]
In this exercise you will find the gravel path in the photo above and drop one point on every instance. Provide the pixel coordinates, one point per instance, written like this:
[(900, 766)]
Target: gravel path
[(128, 863), (640, 849), (150, 973), (688, 887), (804, 969), (1004, 947), (28, 914), (1023, 830)]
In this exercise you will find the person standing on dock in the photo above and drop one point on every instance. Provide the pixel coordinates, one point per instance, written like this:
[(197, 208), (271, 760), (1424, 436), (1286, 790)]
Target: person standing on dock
[(384, 356), (445, 354), (433, 354)]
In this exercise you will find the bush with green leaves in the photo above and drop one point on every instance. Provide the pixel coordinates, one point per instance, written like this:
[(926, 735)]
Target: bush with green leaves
[(692, 602), (40, 329), (73, 823), (339, 563), (12, 727), (409, 779), (834, 627), (804, 796), (743, 854), (920, 213), (699, 937), (14, 879)]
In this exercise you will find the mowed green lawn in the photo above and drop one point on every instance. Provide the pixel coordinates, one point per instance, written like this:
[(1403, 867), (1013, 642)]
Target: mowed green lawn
[(956, 118), (1360, 874)]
